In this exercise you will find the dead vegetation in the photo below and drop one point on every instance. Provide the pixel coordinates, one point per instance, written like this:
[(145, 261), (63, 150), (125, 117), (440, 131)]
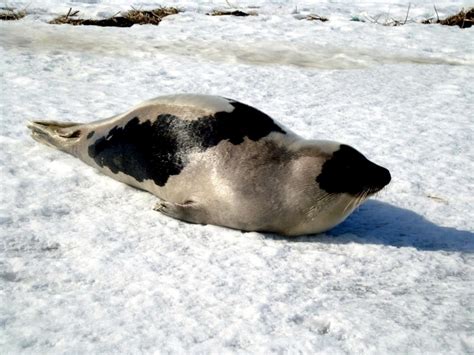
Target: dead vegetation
[(11, 14), (152, 17), (231, 13), (314, 17), (463, 19), (387, 20), (128, 19)]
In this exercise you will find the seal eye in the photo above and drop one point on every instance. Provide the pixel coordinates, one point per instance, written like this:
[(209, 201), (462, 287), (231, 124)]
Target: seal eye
[(348, 171)]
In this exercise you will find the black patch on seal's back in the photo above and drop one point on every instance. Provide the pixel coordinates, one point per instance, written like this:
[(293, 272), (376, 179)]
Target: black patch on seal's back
[(160, 149)]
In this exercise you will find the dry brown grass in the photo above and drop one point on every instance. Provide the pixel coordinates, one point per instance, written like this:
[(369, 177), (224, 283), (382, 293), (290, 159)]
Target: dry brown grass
[(314, 17), (463, 19), (390, 21), (11, 14), (130, 18), (151, 17), (232, 13), (70, 18)]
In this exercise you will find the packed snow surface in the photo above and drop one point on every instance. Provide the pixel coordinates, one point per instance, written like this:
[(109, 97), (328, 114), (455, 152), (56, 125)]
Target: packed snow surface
[(86, 265)]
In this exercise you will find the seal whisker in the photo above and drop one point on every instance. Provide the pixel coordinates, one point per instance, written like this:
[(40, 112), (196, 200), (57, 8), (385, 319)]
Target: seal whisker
[(350, 204), (362, 196), (324, 198)]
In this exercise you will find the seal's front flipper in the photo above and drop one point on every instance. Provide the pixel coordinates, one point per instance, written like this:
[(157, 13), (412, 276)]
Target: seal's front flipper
[(188, 211)]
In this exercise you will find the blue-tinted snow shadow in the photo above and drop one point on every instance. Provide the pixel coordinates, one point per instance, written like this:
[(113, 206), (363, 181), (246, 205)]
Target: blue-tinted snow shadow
[(377, 222)]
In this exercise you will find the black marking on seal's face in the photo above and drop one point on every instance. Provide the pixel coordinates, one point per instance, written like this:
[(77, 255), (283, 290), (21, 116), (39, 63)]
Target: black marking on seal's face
[(348, 171), (146, 150), (90, 134)]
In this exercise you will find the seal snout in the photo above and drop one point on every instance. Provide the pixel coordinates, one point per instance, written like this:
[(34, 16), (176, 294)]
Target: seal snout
[(348, 171), (383, 177), (377, 178)]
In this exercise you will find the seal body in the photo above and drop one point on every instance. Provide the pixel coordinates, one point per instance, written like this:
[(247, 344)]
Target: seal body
[(213, 160)]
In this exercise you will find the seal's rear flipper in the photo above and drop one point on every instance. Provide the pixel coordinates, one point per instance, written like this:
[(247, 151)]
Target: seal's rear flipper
[(188, 211), (60, 135)]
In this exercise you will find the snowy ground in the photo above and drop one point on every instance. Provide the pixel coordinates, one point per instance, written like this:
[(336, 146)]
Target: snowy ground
[(87, 266)]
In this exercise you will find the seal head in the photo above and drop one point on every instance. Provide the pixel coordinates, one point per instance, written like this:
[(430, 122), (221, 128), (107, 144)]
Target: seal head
[(348, 171)]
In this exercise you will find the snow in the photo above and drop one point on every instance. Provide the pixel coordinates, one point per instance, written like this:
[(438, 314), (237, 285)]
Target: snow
[(86, 265)]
